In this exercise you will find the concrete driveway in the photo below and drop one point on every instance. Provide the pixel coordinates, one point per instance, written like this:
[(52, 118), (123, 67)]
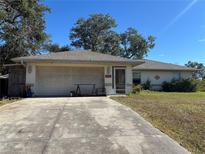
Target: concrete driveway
[(79, 125)]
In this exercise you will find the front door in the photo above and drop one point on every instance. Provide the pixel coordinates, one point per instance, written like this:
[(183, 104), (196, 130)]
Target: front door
[(120, 80)]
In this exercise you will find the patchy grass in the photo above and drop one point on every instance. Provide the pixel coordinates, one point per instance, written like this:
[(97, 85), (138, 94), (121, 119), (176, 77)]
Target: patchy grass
[(179, 115), (7, 101), (201, 85)]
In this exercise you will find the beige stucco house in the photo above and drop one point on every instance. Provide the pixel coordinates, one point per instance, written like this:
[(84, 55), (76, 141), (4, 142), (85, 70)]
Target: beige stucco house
[(57, 74), (86, 72)]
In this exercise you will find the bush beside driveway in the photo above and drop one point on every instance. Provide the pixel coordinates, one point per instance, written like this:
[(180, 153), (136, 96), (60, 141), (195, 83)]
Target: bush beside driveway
[(180, 115)]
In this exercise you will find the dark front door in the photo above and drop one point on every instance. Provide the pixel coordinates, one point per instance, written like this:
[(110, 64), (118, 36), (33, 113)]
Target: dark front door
[(120, 80)]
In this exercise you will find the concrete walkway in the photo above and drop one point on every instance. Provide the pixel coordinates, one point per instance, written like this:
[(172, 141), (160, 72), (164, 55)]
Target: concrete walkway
[(79, 125)]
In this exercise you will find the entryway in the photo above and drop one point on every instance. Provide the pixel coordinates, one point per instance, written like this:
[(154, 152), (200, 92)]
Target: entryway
[(120, 80)]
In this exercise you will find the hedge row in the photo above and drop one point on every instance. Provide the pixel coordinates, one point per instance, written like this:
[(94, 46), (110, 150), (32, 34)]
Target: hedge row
[(184, 85)]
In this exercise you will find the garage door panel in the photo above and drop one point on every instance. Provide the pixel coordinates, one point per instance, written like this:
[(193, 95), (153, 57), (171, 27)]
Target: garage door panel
[(48, 81), (59, 81)]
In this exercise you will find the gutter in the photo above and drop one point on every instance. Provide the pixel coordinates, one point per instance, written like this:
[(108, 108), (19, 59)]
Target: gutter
[(10, 65), (189, 70), (132, 62)]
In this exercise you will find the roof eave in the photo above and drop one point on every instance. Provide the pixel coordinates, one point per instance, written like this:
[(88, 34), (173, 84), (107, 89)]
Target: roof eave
[(187, 70), (132, 63)]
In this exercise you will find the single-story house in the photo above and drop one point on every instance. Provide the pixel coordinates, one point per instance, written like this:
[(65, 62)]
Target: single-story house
[(158, 72), (57, 74), (85, 72)]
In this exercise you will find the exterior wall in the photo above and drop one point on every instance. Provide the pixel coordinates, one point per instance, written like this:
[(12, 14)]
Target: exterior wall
[(128, 80), (108, 74), (31, 77), (186, 75), (158, 77)]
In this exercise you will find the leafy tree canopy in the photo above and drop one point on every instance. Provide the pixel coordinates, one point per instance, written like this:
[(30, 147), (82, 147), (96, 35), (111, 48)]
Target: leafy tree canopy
[(96, 33), (200, 73), (89, 33), (56, 48), (21, 28), (134, 45)]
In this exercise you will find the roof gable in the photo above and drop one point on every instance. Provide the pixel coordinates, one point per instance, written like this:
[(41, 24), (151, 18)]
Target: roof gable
[(78, 56), (156, 65)]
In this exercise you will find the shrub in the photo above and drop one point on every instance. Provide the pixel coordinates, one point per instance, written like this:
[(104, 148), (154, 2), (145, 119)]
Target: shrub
[(147, 85), (184, 85), (201, 85), (137, 89)]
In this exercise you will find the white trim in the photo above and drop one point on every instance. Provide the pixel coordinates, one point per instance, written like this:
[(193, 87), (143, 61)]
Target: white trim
[(6, 76)]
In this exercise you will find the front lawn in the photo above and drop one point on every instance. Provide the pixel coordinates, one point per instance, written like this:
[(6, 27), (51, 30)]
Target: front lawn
[(179, 115)]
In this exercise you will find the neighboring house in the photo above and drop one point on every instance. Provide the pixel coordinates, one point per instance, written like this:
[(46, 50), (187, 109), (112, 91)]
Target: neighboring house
[(158, 72), (62, 73), (56, 74)]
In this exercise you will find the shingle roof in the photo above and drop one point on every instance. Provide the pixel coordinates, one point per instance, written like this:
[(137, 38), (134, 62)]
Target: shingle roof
[(78, 56), (156, 65)]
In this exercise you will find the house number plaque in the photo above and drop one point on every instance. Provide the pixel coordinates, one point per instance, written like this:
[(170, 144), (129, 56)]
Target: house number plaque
[(108, 76)]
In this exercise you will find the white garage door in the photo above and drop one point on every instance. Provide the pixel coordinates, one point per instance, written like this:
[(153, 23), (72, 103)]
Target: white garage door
[(59, 81)]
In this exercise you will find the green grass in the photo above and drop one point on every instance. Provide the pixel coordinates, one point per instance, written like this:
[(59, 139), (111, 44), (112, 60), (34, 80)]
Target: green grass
[(179, 115), (201, 85)]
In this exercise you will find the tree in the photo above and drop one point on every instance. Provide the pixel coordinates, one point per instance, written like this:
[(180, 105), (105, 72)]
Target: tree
[(96, 34), (65, 48), (56, 48), (134, 45), (21, 28), (90, 33), (200, 66), (110, 44)]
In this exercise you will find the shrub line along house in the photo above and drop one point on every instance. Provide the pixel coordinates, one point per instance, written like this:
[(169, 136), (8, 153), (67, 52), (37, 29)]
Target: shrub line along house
[(57, 74)]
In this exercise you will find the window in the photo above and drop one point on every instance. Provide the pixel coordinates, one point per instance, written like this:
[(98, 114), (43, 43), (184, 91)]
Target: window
[(136, 77), (179, 75)]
